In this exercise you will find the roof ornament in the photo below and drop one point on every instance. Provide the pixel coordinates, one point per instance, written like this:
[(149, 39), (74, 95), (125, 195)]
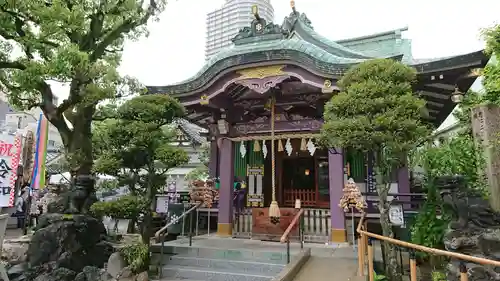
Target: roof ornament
[(258, 30), (292, 5), (255, 12)]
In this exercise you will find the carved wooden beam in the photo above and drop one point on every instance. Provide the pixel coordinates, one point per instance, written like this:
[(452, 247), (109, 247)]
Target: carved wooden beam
[(239, 129)]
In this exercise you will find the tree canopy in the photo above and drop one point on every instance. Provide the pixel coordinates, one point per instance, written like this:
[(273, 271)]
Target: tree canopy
[(491, 81), (376, 109), (134, 145), (78, 43), (377, 112)]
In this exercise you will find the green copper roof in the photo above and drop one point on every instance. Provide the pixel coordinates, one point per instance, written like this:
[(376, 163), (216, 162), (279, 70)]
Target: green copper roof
[(305, 31), (292, 44), (295, 40)]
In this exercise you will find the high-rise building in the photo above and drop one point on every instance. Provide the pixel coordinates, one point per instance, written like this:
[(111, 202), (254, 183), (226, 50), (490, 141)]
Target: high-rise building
[(224, 23)]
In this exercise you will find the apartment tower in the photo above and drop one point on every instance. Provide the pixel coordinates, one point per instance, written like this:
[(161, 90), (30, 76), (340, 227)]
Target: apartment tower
[(224, 23)]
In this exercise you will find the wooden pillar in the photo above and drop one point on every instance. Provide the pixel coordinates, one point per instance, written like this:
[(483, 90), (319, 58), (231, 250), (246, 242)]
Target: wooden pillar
[(226, 175), (336, 181), (214, 159)]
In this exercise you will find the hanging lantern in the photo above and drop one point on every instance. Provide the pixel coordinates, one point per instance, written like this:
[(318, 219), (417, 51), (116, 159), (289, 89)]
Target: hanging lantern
[(457, 96)]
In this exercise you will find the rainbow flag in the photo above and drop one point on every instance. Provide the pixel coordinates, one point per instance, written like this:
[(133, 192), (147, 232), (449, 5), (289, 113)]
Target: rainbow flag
[(42, 132)]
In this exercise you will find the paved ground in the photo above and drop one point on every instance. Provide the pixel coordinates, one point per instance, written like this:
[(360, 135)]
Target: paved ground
[(13, 233), (323, 268)]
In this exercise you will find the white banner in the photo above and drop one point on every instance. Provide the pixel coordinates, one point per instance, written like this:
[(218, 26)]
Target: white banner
[(10, 151)]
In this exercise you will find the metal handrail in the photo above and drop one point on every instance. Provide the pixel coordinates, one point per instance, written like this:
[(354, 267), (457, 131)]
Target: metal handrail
[(285, 238), (421, 248), (163, 229)]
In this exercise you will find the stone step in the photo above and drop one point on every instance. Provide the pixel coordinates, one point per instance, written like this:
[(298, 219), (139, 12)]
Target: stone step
[(275, 257), (250, 267), (194, 273)]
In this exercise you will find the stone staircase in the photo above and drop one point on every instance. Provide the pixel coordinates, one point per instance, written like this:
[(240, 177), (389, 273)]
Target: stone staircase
[(202, 263)]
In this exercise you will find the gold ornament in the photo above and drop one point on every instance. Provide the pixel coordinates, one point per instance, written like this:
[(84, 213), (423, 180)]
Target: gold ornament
[(261, 72), (204, 99)]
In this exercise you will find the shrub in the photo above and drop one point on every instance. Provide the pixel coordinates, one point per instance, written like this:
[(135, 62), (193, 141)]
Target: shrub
[(125, 207), (136, 256)]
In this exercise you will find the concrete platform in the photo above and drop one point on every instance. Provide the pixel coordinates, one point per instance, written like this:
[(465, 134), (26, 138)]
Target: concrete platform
[(217, 257), (342, 250)]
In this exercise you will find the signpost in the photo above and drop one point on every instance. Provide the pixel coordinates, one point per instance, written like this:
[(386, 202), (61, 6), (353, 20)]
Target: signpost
[(10, 152)]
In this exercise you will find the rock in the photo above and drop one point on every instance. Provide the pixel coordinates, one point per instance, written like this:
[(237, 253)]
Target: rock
[(116, 264), (476, 232), (65, 245), (58, 274), (14, 272), (14, 250), (126, 273), (143, 276)]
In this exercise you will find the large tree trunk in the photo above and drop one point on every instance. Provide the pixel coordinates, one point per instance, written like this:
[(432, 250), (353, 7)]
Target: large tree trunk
[(383, 185), (148, 215)]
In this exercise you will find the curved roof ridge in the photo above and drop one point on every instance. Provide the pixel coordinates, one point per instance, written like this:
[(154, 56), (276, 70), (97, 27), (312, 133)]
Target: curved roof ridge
[(371, 36), (305, 30), (295, 44)]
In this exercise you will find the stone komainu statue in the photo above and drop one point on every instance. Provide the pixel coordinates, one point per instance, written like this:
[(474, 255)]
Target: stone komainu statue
[(78, 198)]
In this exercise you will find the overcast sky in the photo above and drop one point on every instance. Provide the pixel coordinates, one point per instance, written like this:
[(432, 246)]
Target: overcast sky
[(174, 50)]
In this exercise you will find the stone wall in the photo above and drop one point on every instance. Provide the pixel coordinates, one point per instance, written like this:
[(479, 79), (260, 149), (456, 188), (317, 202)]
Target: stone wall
[(486, 129)]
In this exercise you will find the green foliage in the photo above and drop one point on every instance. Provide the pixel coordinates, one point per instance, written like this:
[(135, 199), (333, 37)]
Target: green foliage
[(124, 207), (379, 277), (134, 145), (438, 276), (376, 109), (463, 114), (201, 173), (458, 155), (75, 42), (491, 81), (428, 229), (136, 256), (107, 185)]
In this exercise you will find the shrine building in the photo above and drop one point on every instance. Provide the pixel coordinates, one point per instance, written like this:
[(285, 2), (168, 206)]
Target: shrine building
[(291, 71)]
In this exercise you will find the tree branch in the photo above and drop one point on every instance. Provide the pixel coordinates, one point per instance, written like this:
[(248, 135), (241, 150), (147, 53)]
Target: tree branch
[(127, 25), (12, 65)]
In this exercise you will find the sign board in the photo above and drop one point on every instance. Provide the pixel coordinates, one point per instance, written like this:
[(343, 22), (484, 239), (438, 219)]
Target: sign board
[(162, 204), (396, 215), (10, 151)]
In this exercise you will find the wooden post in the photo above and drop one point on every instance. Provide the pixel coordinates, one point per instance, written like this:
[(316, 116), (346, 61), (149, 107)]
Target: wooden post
[(370, 261), (463, 272), (361, 256), (413, 266), (365, 242)]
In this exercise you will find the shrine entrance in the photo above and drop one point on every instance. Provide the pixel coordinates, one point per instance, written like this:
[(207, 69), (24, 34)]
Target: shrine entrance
[(303, 176), (299, 180)]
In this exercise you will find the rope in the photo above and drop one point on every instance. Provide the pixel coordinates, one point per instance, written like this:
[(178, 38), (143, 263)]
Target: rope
[(276, 137), (273, 156)]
